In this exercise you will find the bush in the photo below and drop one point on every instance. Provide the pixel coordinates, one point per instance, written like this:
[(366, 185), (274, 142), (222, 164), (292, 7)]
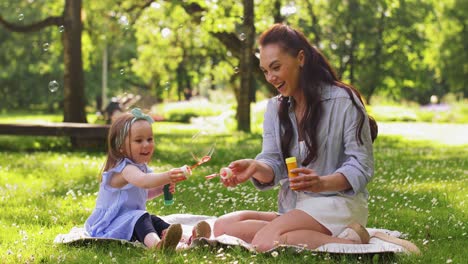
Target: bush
[(185, 110), (439, 113)]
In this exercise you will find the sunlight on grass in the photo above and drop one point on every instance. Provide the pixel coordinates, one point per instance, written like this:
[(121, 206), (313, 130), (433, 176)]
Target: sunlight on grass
[(419, 189)]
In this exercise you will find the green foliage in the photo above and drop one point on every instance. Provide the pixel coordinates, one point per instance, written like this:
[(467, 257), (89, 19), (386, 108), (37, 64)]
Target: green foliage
[(446, 113), (14, 117), (185, 110), (399, 49), (419, 188), (393, 113), (30, 61), (446, 51)]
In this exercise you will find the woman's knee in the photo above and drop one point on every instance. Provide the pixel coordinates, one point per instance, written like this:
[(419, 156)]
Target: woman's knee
[(219, 227), (223, 223)]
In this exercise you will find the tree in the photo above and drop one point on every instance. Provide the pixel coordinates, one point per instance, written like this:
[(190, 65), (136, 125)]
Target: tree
[(241, 45), (447, 49), (204, 51), (246, 67), (74, 96)]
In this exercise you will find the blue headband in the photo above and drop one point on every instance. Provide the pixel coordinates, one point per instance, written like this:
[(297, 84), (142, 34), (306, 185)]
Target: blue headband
[(137, 115)]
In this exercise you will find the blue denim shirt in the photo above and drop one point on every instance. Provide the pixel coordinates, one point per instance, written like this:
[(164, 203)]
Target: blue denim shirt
[(339, 149)]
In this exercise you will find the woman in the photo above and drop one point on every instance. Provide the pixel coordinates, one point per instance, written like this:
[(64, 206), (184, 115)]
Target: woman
[(321, 121)]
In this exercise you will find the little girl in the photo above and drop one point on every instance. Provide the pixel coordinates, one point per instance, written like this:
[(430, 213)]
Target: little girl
[(127, 183)]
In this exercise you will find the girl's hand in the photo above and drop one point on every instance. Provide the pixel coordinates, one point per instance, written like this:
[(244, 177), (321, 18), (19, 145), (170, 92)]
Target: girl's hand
[(172, 187), (308, 180), (242, 170), (177, 175)]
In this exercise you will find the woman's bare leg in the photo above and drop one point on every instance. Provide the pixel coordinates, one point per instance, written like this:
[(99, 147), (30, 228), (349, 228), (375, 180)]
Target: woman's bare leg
[(242, 224), (294, 228)]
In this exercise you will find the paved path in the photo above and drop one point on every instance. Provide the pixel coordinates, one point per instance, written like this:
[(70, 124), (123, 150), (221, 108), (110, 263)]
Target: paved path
[(450, 134)]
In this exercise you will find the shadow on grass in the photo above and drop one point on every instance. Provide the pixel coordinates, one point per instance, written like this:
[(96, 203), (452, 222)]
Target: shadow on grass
[(418, 187), (42, 143)]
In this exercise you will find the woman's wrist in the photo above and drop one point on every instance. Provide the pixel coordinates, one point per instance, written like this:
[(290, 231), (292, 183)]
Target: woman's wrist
[(262, 172), (336, 182)]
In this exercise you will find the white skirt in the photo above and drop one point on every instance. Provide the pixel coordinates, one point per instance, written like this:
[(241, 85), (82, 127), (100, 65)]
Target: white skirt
[(335, 212)]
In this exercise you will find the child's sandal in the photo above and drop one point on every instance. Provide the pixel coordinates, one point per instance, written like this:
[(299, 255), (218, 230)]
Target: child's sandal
[(171, 237), (355, 232), (201, 229)]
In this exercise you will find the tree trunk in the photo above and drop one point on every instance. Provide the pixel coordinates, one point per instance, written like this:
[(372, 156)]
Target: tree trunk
[(73, 86), (74, 96), (246, 67)]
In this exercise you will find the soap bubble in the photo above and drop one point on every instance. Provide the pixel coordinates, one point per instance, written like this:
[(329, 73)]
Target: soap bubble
[(53, 86), (242, 36), (202, 146)]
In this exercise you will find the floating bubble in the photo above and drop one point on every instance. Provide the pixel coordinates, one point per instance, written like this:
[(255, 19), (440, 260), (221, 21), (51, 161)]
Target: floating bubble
[(288, 10), (155, 5), (242, 36), (122, 71), (61, 28), (201, 148), (236, 70), (46, 46), (167, 86), (53, 86), (20, 17)]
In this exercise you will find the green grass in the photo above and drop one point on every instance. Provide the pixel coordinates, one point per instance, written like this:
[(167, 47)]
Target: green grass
[(46, 188)]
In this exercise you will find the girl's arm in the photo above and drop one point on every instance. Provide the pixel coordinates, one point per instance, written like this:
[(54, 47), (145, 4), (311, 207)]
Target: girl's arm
[(131, 174), (155, 192)]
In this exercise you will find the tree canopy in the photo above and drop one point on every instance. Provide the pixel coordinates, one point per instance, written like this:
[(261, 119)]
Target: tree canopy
[(400, 49)]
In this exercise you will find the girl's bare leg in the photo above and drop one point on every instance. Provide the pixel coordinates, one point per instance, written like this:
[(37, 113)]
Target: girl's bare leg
[(242, 224), (151, 240), (294, 228)]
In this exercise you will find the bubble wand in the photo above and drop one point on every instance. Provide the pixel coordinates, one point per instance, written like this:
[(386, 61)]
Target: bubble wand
[(187, 170), (224, 173)]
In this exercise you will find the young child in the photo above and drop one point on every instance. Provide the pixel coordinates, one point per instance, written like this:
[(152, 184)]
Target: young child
[(127, 183)]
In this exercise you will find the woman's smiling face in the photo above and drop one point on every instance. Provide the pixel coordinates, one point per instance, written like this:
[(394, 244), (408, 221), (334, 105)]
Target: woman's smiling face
[(281, 69)]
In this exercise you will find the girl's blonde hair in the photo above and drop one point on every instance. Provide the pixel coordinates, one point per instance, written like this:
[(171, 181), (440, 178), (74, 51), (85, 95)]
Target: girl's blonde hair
[(114, 153), (118, 132)]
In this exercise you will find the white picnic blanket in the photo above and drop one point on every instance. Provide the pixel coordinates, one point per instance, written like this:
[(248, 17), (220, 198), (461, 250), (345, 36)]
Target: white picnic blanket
[(188, 221)]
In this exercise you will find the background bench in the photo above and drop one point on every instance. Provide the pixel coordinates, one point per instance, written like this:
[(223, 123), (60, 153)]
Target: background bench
[(81, 135)]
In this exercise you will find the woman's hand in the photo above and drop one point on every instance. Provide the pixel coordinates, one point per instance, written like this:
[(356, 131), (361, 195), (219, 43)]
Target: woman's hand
[(308, 180), (176, 175), (242, 170)]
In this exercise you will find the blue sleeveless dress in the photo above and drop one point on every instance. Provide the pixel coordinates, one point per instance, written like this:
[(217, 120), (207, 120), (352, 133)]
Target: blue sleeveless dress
[(117, 210)]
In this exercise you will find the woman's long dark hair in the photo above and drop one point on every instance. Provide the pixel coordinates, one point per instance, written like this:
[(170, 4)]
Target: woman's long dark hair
[(315, 73)]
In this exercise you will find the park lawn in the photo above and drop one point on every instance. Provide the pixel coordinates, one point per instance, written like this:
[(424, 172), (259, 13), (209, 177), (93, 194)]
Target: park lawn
[(419, 189)]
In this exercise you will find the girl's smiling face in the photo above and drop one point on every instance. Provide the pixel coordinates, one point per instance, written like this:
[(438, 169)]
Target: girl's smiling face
[(140, 140), (281, 69)]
